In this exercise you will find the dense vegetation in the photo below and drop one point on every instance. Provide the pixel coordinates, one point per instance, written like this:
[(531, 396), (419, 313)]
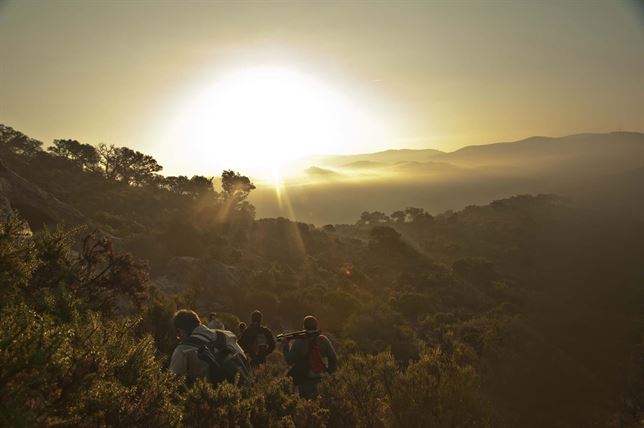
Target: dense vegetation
[(524, 312)]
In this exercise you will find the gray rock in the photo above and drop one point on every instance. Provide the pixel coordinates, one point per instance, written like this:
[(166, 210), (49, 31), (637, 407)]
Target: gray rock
[(215, 283)]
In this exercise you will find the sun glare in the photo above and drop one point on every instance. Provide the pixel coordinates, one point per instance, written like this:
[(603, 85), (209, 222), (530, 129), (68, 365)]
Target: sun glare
[(258, 119)]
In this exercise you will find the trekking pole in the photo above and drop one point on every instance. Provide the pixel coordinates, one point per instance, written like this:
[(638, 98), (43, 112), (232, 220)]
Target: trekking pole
[(296, 334)]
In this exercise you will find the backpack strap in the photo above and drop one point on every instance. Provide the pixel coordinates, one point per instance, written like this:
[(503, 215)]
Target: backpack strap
[(201, 337), (197, 341), (204, 352), (221, 344)]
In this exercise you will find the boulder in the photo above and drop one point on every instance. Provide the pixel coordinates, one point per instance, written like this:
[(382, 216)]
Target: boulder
[(216, 284)]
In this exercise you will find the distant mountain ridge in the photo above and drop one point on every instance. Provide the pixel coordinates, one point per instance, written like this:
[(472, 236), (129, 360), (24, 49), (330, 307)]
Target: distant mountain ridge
[(573, 165), (536, 145), (387, 156), (579, 145), (593, 153)]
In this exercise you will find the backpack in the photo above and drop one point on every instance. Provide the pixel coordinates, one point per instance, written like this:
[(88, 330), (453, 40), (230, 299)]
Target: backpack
[(311, 363), (260, 345), (316, 364), (226, 360)]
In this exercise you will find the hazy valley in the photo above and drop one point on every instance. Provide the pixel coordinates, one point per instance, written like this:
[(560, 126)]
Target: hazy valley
[(336, 189)]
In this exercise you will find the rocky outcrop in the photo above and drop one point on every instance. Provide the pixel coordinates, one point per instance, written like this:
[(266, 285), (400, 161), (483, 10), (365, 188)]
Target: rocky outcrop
[(215, 282), (38, 207)]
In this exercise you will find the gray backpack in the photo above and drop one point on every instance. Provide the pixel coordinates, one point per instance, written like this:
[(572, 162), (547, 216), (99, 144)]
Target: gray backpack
[(226, 359)]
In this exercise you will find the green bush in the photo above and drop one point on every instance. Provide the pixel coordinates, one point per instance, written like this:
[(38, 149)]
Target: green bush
[(436, 391), (356, 396), (65, 359), (87, 372), (221, 406)]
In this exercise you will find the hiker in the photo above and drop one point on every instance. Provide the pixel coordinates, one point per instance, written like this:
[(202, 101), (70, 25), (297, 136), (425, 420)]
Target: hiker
[(306, 357), (206, 353), (184, 360), (257, 340), (241, 328), (213, 322)]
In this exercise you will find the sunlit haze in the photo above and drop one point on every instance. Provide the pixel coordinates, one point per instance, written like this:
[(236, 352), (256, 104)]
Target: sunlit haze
[(261, 118), (204, 86), (322, 213)]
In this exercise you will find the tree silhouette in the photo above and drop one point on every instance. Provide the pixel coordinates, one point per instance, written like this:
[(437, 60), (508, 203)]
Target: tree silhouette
[(375, 217), (193, 187), (398, 216), (236, 187), (107, 160), (84, 155), (416, 214), (17, 143), (384, 235), (126, 165)]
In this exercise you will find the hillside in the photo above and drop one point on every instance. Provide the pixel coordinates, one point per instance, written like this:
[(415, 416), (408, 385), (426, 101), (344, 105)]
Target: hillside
[(525, 311)]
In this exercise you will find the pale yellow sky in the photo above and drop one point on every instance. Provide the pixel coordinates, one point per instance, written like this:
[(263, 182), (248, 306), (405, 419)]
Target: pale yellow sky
[(422, 74)]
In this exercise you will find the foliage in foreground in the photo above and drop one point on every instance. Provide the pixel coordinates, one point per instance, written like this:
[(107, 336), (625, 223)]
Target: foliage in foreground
[(72, 353), (66, 359)]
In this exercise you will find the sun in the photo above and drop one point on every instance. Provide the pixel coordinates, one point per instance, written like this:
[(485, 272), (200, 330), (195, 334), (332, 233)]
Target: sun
[(260, 118)]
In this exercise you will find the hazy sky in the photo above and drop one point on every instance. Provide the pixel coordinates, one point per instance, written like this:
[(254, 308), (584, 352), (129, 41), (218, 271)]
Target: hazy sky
[(421, 74)]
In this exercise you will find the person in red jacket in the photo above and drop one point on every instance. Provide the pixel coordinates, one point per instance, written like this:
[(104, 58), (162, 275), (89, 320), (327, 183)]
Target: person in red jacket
[(306, 357)]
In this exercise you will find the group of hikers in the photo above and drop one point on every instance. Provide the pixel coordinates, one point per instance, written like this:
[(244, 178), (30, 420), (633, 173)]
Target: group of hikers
[(214, 353)]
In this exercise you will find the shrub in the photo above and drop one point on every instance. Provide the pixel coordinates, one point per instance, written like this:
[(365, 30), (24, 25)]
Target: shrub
[(356, 394), (436, 391), (86, 372), (64, 358)]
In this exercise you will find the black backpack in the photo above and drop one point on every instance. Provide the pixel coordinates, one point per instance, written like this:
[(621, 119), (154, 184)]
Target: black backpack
[(226, 360), (260, 344)]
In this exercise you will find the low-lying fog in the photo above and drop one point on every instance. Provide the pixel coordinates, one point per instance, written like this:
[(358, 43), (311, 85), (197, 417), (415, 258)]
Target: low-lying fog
[(590, 168)]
